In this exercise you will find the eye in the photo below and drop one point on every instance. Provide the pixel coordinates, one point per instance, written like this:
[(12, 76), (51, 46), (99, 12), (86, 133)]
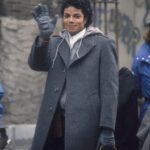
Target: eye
[(66, 16), (77, 16)]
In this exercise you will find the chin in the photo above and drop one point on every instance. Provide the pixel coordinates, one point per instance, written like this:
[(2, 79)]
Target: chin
[(73, 32)]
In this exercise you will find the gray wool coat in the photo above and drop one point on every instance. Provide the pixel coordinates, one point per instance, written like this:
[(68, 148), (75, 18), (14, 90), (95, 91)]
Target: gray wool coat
[(92, 89)]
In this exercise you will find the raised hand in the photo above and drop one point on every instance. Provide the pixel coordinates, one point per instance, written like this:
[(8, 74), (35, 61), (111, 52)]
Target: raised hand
[(46, 24)]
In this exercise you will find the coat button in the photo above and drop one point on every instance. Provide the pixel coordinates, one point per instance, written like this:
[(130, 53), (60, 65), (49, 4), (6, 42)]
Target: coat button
[(50, 109), (56, 89)]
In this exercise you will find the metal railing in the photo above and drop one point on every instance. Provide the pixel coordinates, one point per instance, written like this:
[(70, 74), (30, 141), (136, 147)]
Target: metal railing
[(101, 8)]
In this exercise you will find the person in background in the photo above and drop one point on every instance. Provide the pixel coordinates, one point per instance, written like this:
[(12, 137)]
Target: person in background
[(141, 69), (3, 132), (127, 114), (78, 111)]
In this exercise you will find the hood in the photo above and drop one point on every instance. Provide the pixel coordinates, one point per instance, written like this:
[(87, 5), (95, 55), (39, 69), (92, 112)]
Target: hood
[(93, 30), (89, 31)]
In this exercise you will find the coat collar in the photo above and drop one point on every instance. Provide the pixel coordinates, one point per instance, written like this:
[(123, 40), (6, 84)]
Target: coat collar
[(86, 46)]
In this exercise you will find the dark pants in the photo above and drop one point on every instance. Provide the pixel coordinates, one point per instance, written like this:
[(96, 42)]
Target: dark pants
[(55, 144), (55, 139), (3, 138)]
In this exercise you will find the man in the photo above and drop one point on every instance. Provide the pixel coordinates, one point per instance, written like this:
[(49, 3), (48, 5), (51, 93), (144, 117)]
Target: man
[(79, 108)]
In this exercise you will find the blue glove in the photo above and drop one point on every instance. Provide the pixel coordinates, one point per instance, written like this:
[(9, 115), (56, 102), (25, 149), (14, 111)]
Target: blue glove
[(106, 140), (45, 24)]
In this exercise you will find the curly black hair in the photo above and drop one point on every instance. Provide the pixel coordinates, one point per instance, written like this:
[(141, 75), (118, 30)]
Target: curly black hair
[(84, 5), (146, 35)]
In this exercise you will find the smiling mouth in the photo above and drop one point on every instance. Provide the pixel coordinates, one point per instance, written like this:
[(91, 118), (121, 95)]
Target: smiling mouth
[(71, 25)]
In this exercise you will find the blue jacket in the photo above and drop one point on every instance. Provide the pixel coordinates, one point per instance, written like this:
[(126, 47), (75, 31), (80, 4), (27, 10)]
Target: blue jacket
[(141, 68), (1, 110), (1, 116), (1, 91)]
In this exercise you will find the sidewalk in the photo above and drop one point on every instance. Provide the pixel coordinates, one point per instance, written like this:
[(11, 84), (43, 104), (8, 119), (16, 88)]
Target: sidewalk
[(20, 136)]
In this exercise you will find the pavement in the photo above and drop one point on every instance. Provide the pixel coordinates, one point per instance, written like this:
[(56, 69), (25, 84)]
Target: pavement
[(20, 136)]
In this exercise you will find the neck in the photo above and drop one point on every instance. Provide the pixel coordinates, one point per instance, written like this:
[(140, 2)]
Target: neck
[(74, 33)]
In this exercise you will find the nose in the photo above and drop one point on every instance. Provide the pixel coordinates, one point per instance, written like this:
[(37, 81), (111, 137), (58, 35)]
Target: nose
[(71, 19)]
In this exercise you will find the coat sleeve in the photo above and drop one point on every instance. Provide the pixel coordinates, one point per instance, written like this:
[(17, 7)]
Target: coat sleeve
[(39, 57), (108, 84)]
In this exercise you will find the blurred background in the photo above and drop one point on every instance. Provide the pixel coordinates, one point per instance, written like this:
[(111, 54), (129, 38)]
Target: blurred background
[(123, 20)]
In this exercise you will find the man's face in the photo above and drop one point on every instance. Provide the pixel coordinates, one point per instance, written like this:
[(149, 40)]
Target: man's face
[(73, 20)]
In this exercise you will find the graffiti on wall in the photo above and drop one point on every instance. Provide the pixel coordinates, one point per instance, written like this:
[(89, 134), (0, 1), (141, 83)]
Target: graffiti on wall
[(128, 33)]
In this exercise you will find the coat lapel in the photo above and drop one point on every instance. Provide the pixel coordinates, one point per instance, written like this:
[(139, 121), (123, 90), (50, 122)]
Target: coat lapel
[(64, 52), (86, 46)]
